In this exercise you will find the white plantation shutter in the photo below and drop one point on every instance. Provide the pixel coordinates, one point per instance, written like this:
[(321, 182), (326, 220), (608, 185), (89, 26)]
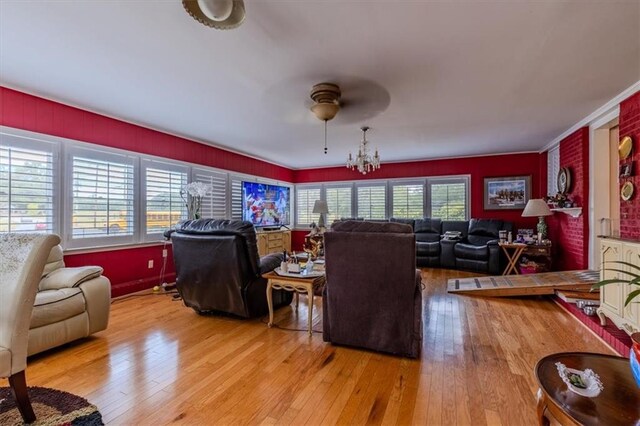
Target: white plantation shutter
[(164, 206), (407, 200), (236, 197), (305, 199), (338, 202), (214, 205), (102, 196), (371, 201), (26, 186), (449, 198), (553, 168)]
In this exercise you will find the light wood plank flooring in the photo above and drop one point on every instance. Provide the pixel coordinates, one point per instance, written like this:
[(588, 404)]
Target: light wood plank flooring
[(160, 363)]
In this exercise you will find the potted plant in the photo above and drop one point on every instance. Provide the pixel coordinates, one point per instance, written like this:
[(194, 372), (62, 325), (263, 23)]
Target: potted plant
[(631, 278)]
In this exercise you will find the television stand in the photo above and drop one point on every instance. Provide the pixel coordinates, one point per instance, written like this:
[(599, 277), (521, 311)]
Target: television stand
[(274, 241)]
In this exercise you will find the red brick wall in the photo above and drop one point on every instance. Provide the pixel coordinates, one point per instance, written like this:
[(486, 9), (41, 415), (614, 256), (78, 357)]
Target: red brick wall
[(630, 126), (571, 235)]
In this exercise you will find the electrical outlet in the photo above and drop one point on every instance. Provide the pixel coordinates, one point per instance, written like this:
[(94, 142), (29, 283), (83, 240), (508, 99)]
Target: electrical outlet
[(151, 264), (164, 252)]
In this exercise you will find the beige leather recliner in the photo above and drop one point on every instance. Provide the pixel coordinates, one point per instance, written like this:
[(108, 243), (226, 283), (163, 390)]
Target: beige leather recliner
[(71, 303)]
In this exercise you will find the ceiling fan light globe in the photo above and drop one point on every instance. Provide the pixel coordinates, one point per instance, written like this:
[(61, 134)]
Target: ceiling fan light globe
[(325, 111), (216, 10)]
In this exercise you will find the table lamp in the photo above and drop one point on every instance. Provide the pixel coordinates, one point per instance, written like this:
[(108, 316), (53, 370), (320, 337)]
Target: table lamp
[(538, 207), (320, 206)]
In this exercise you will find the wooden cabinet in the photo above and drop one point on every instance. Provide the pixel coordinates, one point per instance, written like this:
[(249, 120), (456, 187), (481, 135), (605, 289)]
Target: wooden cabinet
[(613, 296), (273, 242)]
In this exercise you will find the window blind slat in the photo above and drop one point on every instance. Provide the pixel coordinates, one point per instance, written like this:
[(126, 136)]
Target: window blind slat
[(305, 199), (26, 190), (164, 205), (102, 198)]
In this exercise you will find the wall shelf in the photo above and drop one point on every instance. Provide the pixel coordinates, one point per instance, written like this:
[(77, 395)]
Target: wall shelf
[(572, 211)]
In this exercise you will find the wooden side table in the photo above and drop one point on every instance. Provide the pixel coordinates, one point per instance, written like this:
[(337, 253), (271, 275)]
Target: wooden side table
[(296, 285), (513, 251), (618, 404)]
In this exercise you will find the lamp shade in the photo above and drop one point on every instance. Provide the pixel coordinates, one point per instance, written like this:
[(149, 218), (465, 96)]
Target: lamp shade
[(320, 206), (536, 208)]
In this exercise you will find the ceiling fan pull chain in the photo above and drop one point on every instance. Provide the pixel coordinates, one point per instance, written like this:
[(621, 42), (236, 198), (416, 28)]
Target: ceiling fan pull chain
[(325, 136)]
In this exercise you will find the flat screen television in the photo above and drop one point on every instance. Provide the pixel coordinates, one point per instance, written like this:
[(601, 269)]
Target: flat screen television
[(266, 205)]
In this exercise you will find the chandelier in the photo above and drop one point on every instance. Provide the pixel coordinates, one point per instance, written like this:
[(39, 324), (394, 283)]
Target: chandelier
[(364, 162)]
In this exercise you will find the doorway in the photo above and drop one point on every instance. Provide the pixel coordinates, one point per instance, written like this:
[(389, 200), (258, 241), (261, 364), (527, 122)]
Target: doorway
[(605, 199)]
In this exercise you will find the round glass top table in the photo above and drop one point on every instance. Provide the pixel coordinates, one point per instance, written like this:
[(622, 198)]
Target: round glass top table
[(617, 404)]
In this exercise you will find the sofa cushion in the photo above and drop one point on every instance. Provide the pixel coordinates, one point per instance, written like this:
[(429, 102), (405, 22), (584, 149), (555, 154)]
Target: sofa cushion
[(57, 305), (5, 362), (427, 248), (470, 251), (69, 277), (431, 226), (409, 222), (54, 261)]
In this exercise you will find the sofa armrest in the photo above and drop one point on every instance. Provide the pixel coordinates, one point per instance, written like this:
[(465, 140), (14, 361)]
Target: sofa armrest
[(97, 296), (270, 262), (69, 277), (493, 243)]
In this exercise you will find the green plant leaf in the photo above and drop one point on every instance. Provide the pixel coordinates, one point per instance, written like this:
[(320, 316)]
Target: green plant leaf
[(632, 296), (622, 271), (607, 282), (621, 262)]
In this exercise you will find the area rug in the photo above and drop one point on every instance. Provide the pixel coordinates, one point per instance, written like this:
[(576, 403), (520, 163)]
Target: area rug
[(52, 408)]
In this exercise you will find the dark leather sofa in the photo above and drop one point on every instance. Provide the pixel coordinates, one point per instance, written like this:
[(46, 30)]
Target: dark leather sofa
[(373, 295), (218, 268), (477, 250)]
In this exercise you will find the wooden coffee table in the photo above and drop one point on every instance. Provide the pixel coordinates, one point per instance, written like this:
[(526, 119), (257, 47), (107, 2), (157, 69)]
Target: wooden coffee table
[(296, 285), (618, 404)]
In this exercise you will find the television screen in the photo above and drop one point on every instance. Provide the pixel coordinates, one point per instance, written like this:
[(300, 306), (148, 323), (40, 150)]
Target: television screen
[(265, 205)]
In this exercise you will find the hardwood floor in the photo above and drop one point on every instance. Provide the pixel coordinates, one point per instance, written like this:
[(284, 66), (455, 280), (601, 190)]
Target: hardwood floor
[(160, 363)]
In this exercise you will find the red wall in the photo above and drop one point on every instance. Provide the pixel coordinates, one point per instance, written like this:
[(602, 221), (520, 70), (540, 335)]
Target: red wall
[(127, 269), (630, 126), (571, 235), (532, 164)]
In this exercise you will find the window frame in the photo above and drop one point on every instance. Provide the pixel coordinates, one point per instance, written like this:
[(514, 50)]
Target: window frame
[(466, 179), (297, 223), (372, 184), (397, 182), (323, 196), (17, 141), (145, 164), (98, 155)]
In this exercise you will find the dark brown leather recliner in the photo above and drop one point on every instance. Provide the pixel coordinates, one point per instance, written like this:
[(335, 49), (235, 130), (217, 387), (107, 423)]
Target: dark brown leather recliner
[(373, 294), (218, 269)]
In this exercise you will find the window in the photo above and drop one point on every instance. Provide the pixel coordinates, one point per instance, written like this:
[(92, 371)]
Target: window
[(26, 186), (338, 202), (448, 198), (102, 195), (214, 205), (305, 199), (164, 206), (553, 168), (371, 201), (407, 200), (237, 199)]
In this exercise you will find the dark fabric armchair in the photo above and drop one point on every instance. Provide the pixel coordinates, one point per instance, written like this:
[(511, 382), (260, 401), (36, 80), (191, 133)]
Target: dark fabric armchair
[(479, 251), (218, 268), (373, 294)]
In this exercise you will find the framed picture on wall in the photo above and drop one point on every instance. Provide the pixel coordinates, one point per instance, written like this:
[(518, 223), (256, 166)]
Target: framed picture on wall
[(505, 193)]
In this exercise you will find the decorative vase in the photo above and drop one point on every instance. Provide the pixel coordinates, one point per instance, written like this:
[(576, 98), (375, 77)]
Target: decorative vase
[(634, 357)]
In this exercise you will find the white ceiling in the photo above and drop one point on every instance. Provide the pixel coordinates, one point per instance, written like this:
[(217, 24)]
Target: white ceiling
[(462, 78)]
